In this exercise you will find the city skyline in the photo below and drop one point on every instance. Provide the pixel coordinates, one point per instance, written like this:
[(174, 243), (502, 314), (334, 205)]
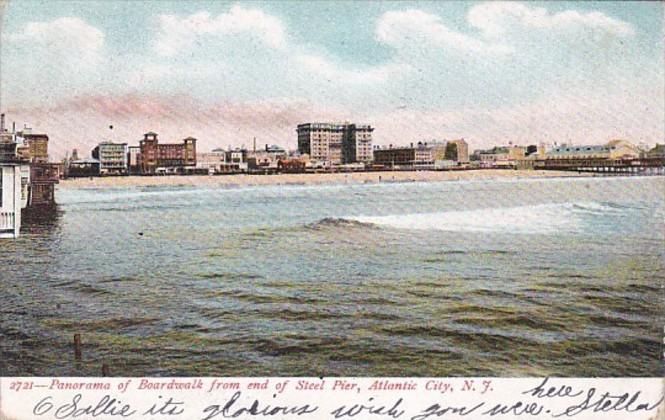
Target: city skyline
[(227, 72)]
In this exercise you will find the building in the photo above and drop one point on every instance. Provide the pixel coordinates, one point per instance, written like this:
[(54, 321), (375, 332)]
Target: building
[(10, 200), (112, 158), (22, 145), (8, 144), (37, 177), (32, 147), (335, 143), (394, 156), (501, 156), (165, 158), (457, 150), (266, 158), (133, 164), (83, 168), (657, 152), (213, 162), (421, 155), (615, 149), (357, 144)]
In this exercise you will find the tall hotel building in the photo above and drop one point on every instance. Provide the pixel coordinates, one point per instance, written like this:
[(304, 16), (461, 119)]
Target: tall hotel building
[(334, 144)]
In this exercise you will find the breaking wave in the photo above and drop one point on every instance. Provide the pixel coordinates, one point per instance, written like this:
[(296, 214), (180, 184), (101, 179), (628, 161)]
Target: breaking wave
[(534, 219), (338, 222)]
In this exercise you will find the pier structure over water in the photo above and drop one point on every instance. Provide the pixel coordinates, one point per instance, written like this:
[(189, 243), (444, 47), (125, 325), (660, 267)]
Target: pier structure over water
[(635, 166), (11, 201)]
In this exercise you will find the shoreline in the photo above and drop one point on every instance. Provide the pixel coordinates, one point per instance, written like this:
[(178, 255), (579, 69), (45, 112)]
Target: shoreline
[(245, 180)]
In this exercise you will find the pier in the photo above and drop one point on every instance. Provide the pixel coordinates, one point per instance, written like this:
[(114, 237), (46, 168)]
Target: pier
[(10, 200), (634, 166)]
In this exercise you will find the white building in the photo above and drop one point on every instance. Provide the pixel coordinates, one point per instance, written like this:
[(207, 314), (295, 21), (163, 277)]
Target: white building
[(11, 200), (214, 162), (615, 149), (112, 158)]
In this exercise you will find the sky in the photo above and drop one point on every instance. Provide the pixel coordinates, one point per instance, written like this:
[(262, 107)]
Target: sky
[(492, 73)]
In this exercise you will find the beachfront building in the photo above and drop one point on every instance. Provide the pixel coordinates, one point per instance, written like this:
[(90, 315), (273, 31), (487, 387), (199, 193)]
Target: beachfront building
[(335, 143), (615, 149), (423, 155), (81, 168), (657, 152), (213, 162), (501, 156), (133, 164), (457, 150), (174, 158), (357, 144), (112, 158), (266, 158)]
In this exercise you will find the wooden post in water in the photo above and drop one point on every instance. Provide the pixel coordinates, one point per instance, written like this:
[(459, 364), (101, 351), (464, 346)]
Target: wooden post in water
[(105, 370), (77, 346)]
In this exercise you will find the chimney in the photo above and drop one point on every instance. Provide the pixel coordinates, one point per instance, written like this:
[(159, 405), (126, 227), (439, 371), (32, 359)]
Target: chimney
[(2, 123), (14, 127)]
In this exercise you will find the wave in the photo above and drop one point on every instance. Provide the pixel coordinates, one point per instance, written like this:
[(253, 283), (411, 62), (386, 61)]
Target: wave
[(532, 219), (338, 222)]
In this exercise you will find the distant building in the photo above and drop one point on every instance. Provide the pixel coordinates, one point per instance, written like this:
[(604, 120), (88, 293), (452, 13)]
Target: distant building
[(112, 158), (501, 156), (422, 155), (213, 162), (133, 162), (657, 152), (615, 149), (266, 158), (83, 168), (461, 151), (166, 158), (335, 143)]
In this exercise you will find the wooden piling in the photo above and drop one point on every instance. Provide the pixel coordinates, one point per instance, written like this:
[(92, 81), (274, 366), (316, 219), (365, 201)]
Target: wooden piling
[(105, 370), (77, 346)]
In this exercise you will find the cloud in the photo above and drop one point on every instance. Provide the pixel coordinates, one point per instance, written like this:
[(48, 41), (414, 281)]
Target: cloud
[(68, 39), (496, 25), (415, 27), (495, 19), (177, 34), (223, 79), (52, 57)]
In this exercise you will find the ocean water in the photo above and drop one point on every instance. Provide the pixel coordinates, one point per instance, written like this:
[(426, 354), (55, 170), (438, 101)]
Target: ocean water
[(559, 277)]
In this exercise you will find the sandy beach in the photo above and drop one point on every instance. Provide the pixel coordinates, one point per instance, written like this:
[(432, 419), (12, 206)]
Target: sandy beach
[(239, 180)]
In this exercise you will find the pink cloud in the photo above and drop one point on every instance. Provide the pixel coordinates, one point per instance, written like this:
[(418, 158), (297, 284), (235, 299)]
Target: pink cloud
[(84, 121)]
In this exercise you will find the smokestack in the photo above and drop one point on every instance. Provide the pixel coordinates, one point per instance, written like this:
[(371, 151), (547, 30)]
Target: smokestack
[(254, 144), (13, 126), (2, 123)]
